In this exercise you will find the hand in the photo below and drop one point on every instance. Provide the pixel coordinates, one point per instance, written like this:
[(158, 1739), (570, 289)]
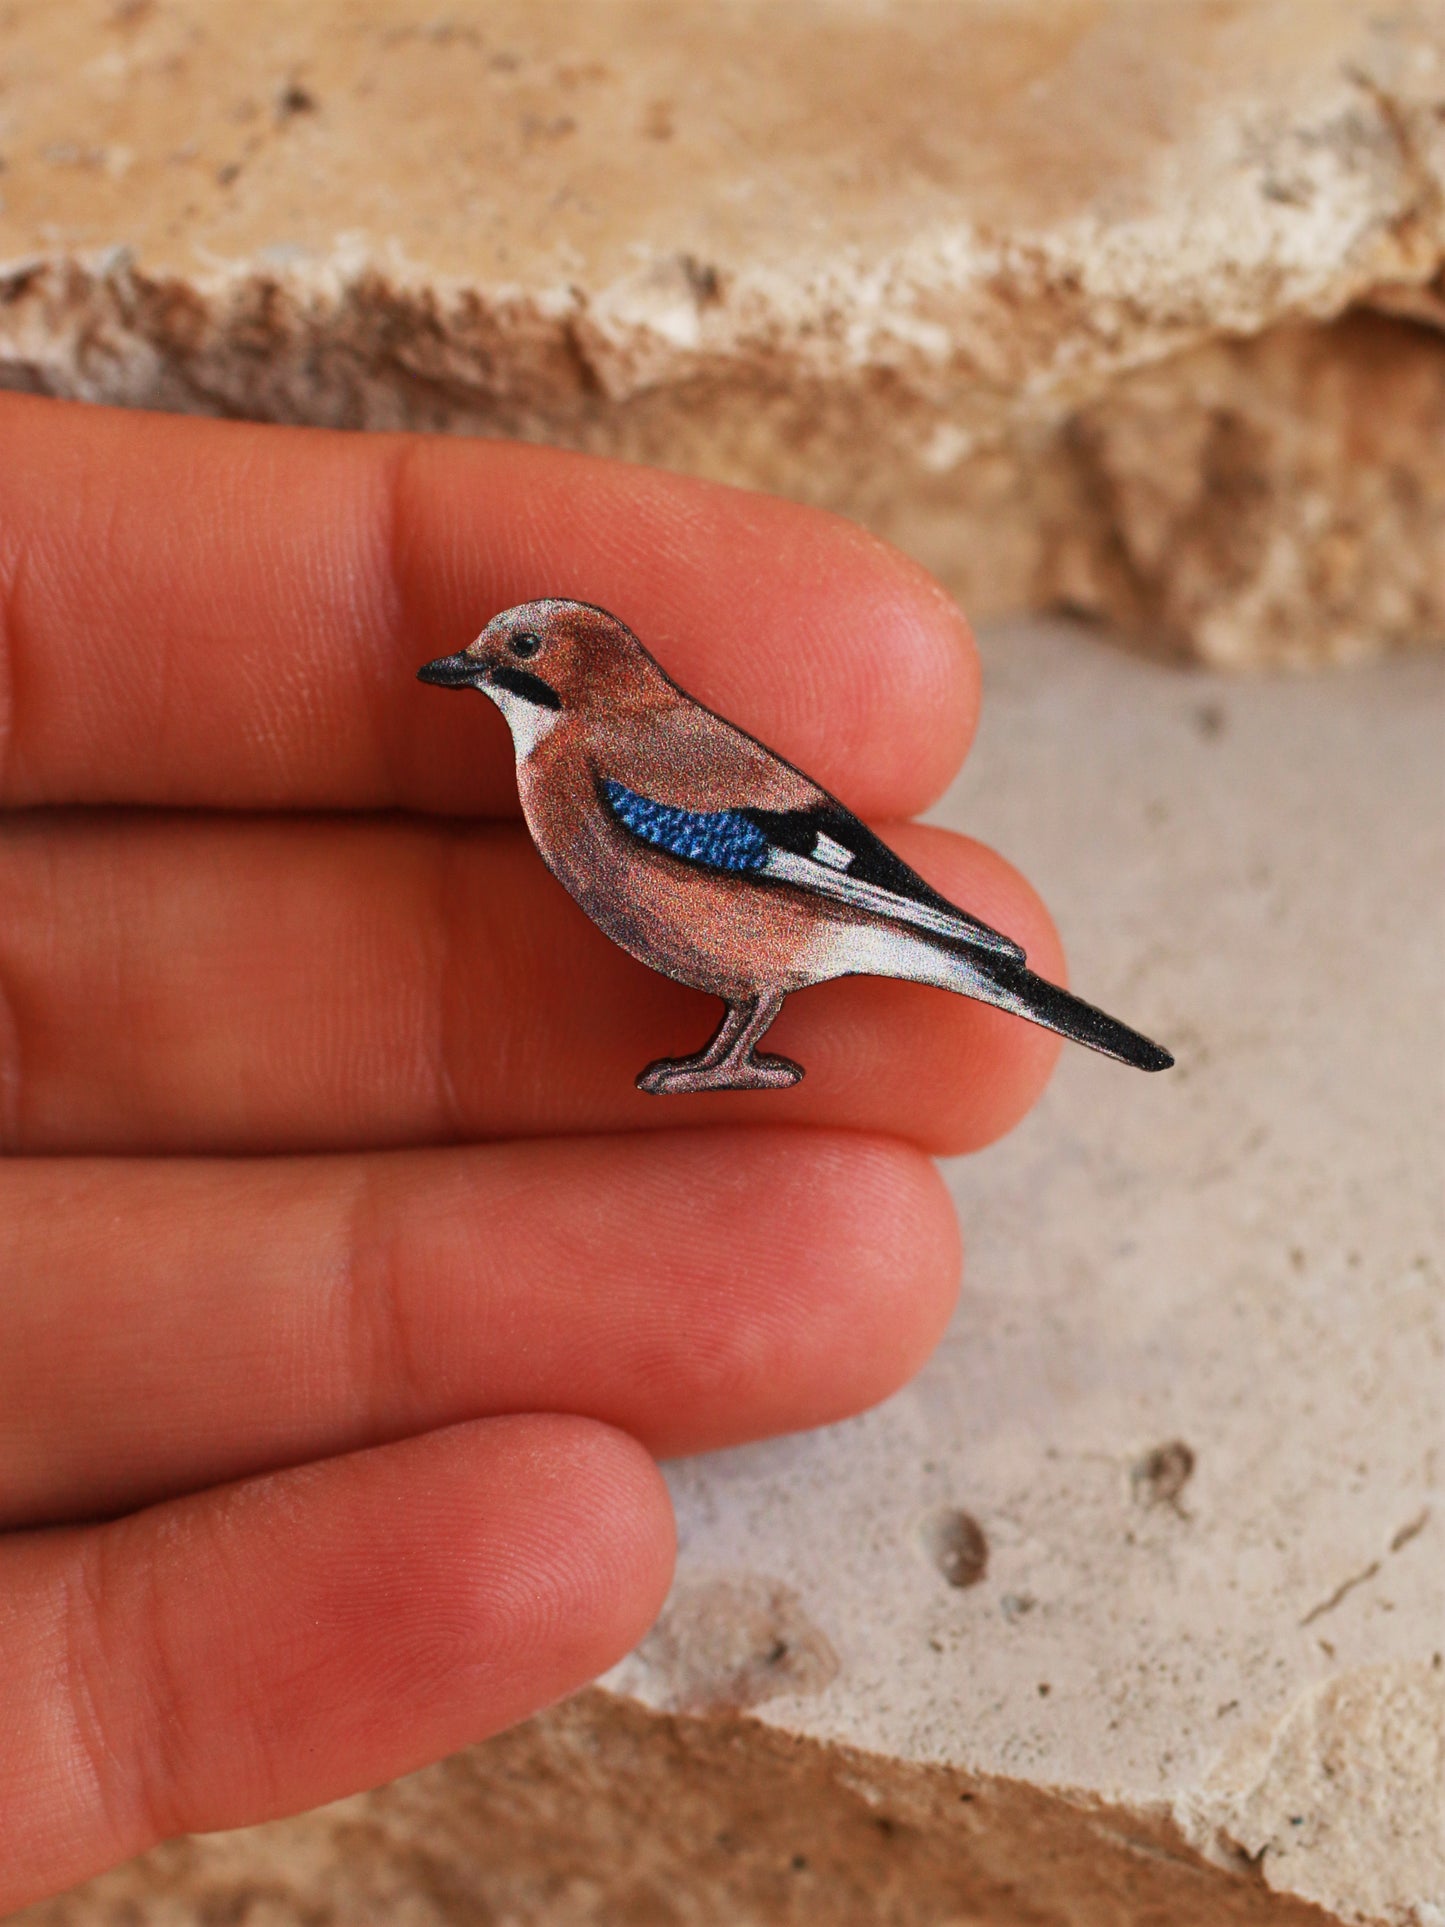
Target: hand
[(346, 1282)]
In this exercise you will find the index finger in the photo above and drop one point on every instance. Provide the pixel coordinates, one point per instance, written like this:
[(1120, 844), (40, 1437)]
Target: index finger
[(220, 614)]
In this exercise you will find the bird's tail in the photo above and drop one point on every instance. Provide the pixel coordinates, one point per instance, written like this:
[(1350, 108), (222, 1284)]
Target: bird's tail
[(1011, 986)]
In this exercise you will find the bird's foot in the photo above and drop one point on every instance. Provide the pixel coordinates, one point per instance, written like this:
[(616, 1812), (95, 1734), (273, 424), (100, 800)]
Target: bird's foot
[(679, 1076)]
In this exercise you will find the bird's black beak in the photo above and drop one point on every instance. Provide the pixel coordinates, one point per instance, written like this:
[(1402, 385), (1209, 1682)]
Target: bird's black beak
[(453, 672)]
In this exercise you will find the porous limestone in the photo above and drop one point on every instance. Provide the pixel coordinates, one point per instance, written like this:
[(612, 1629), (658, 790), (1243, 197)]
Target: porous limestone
[(1128, 1612), (1051, 292)]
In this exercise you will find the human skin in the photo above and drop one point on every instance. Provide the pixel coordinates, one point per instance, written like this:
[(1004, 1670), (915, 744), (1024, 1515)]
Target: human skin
[(348, 1287)]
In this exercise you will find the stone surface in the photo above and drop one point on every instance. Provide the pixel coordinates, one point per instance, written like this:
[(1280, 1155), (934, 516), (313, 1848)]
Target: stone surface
[(1048, 291), (1129, 1610)]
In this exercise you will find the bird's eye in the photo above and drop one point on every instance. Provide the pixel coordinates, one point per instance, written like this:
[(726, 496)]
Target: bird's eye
[(525, 644)]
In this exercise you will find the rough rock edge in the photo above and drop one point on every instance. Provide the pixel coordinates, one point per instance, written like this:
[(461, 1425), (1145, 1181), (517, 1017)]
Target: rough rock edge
[(602, 1811), (362, 341), (1298, 206), (1211, 503), (1345, 1795), (954, 390)]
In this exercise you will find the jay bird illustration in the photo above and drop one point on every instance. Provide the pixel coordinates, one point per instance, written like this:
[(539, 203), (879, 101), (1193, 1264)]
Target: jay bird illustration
[(715, 861)]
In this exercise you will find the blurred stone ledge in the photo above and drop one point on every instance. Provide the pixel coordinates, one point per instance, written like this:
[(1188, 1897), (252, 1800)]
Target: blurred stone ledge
[(602, 1815), (1134, 310)]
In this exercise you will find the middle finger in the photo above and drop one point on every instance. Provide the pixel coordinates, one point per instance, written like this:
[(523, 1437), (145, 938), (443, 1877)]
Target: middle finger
[(274, 984)]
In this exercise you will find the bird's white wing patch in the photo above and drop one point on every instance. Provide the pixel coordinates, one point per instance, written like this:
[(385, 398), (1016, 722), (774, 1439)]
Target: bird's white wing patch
[(889, 950), (837, 856), (825, 881)]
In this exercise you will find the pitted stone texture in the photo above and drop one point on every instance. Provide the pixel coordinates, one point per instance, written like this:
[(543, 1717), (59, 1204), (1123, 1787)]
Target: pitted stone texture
[(983, 275), (1127, 1613)]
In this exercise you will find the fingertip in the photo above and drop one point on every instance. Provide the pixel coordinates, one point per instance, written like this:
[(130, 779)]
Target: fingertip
[(941, 1069), (836, 1289), (273, 1644), (438, 1590), (943, 646), (914, 669), (895, 1253), (1001, 1063), (605, 1529), (545, 1556)]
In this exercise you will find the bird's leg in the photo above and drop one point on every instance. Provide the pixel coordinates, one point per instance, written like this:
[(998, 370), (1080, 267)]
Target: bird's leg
[(679, 1073), (729, 1062), (745, 1069)]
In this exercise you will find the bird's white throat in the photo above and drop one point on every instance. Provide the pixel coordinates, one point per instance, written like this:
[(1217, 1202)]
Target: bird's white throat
[(529, 722)]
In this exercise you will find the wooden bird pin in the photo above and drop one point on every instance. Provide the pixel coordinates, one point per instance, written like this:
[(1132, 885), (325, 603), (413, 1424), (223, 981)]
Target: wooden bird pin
[(711, 859)]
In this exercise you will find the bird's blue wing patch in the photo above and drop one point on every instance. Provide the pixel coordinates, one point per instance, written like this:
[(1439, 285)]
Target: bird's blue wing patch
[(823, 851), (717, 839)]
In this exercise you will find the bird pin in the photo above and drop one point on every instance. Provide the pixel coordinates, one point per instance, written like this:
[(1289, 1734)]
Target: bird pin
[(714, 861)]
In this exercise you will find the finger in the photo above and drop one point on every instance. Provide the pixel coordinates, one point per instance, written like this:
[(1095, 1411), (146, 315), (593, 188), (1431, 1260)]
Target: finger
[(264, 986), (257, 1650), (217, 613), (201, 1322)]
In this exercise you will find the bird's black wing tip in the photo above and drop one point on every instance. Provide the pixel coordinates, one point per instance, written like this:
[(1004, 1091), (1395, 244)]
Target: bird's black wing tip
[(1117, 1040), (1058, 1009)]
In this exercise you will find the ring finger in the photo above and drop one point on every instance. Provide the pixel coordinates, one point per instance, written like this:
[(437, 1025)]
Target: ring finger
[(695, 1289)]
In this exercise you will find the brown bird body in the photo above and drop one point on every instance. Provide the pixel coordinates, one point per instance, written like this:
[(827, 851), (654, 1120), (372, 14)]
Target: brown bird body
[(712, 929), (713, 860)]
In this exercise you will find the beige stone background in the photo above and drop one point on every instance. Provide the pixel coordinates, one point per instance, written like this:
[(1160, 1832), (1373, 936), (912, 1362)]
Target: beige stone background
[(1131, 1611), (1130, 306)]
